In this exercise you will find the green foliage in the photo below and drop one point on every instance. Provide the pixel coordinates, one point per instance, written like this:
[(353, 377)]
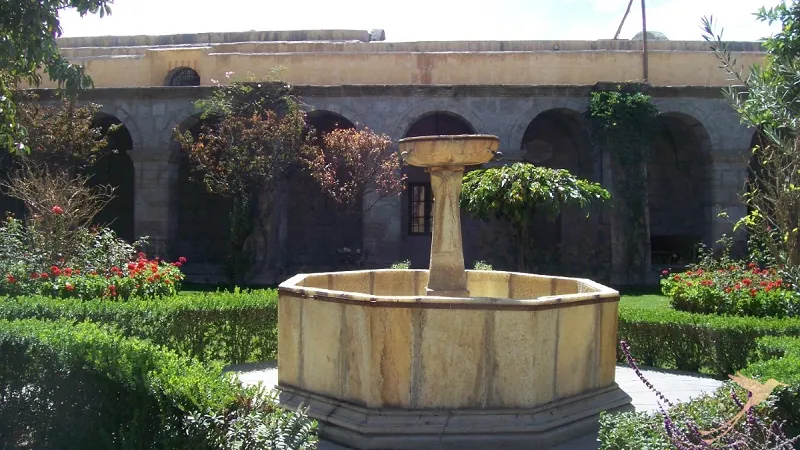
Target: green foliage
[(779, 358), (517, 192), (768, 100), (258, 134), (482, 265), (644, 430), (253, 426), (721, 345), (66, 385), (63, 384), (622, 122), (28, 32), (401, 265), (232, 327)]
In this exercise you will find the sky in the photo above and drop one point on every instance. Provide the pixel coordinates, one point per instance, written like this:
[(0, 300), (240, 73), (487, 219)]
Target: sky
[(427, 20)]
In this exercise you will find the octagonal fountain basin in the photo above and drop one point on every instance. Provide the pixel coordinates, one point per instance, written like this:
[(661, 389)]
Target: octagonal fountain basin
[(526, 361)]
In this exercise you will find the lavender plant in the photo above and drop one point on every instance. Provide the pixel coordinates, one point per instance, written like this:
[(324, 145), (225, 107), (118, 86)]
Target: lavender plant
[(755, 433)]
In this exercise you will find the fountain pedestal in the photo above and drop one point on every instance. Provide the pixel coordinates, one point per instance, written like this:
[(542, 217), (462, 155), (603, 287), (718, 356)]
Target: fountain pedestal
[(448, 358)]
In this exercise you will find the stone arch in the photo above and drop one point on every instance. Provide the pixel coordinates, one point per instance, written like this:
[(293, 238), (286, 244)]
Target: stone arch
[(182, 76), (202, 230), (516, 132), (416, 215), (412, 115), (698, 115), (115, 168), (338, 109), (573, 243), (679, 188), (318, 228)]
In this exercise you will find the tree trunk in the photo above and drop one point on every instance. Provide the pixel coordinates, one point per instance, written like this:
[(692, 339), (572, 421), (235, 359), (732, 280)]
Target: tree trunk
[(630, 230)]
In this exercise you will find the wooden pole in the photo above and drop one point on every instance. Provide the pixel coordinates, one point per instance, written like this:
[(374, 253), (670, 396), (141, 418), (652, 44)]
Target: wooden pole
[(627, 11), (644, 43)]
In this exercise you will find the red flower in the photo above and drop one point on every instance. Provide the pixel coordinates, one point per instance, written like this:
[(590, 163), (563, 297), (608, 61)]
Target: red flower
[(131, 267), (753, 292), (727, 290), (34, 275), (737, 286), (68, 287), (45, 275), (689, 283), (154, 269), (747, 281), (676, 278), (55, 270), (11, 279), (68, 271), (751, 265), (665, 272), (182, 260), (707, 282), (56, 210)]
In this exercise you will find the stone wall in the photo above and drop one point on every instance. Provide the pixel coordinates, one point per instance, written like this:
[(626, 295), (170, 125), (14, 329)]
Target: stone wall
[(183, 219)]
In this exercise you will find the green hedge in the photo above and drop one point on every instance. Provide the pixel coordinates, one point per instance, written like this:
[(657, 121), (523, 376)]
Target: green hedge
[(779, 358), (721, 345), (232, 327), (65, 385)]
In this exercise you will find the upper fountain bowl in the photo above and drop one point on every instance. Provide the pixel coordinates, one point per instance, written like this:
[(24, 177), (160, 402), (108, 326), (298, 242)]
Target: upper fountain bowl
[(443, 151)]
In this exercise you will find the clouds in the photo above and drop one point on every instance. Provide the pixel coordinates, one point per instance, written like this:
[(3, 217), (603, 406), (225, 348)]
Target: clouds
[(411, 20)]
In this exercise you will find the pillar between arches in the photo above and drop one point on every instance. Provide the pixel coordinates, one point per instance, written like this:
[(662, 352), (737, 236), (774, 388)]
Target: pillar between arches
[(155, 198)]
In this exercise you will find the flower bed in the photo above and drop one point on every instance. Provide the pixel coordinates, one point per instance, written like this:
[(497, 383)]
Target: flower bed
[(142, 278), (732, 289)]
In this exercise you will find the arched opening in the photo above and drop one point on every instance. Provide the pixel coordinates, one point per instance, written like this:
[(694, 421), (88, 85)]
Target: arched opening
[(321, 234), (679, 190), (115, 168), (417, 202), (183, 76), (573, 243), (203, 228)]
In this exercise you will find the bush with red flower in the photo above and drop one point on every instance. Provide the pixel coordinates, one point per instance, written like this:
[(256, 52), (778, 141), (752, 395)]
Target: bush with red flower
[(141, 278), (733, 289)]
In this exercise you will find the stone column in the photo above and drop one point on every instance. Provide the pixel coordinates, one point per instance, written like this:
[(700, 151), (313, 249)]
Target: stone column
[(447, 276), (155, 198), (728, 176)]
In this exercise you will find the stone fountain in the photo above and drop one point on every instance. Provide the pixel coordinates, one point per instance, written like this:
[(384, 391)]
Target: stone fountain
[(448, 357)]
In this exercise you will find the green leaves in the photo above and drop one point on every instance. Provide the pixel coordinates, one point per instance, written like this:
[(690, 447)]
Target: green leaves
[(28, 48), (515, 192)]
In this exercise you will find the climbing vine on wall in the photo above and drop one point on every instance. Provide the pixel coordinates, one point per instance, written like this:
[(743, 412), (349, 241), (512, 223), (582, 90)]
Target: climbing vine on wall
[(622, 121)]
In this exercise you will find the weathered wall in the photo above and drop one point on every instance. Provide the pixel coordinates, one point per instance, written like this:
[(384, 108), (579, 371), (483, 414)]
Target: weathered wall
[(150, 114), (143, 61)]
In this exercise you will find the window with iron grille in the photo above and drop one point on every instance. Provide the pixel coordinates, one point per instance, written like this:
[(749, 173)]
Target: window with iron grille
[(184, 77), (420, 204)]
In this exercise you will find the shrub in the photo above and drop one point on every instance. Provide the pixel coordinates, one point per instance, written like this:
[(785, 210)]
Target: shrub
[(233, 327), (62, 385), (677, 426), (722, 345), (401, 265), (736, 289), (779, 358), (482, 265)]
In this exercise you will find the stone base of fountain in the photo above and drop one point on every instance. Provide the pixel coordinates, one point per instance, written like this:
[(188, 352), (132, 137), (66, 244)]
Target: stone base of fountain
[(538, 428), (526, 362)]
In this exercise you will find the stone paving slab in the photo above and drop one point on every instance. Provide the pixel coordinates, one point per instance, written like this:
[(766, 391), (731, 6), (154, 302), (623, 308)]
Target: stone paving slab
[(675, 386)]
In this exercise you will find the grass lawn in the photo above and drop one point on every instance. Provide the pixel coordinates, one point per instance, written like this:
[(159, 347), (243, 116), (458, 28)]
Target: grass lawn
[(646, 301)]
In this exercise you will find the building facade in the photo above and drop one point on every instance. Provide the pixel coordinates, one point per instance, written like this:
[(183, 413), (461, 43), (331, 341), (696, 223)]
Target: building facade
[(532, 94)]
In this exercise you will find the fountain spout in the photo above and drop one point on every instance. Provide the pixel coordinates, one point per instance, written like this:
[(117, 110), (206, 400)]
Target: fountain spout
[(445, 158)]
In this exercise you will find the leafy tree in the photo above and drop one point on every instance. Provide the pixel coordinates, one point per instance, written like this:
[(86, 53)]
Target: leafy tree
[(517, 192), (351, 164), (244, 155), (768, 99), (28, 48)]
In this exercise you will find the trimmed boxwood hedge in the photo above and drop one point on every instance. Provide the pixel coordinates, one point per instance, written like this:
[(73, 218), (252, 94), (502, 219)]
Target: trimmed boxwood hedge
[(66, 385), (721, 345), (232, 327)]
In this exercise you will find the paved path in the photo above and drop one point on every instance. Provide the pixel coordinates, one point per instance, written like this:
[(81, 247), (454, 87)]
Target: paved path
[(675, 386)]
